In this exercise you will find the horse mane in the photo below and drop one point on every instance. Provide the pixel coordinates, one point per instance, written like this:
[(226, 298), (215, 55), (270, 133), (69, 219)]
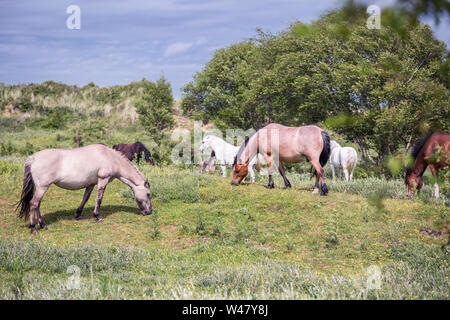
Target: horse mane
[(415, 152), (242, 147), (419, 145), (141, 147), (131, 163)]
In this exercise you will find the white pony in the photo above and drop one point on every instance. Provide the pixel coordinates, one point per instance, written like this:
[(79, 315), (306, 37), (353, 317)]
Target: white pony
[(225, 153), (345, 158), (209, 165)]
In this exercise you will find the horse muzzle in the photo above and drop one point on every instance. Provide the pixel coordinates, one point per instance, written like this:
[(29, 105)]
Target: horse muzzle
[(234, 183)]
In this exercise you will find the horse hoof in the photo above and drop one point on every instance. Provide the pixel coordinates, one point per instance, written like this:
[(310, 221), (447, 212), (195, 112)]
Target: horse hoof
[(99, 220), (316, 190), (44, 228), (34, 231), (78, 218)]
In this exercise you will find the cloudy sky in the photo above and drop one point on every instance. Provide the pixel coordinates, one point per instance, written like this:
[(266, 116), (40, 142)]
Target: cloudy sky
[(124, 41)]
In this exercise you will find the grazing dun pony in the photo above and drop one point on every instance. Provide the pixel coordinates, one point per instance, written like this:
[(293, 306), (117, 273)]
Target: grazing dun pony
[(345, 158), (278, 144), (75, 169)]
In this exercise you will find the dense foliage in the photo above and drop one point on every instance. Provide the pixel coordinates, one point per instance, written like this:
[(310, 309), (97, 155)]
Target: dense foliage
[(378, 88), (55, 115), (35, 98), (155, 109)]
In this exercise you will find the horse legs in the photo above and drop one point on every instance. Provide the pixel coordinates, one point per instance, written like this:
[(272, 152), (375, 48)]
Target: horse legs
[(436, 190), (35, 204), (436, 185), (351, 172), (316, 184), (251, 166), (287, 184), (138, 158), (269, 159), (252, 173), (345, 173), (224, 170), (333, 173), (319, 176), (87, 194), (101, 186)]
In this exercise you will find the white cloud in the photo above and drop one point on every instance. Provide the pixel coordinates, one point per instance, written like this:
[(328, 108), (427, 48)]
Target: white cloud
[(177, 48), (180, 47)]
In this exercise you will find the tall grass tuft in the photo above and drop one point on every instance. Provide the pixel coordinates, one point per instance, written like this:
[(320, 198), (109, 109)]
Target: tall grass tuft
[(35, 270)]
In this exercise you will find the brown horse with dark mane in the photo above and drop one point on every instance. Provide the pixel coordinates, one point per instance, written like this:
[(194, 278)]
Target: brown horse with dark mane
[(278, 144), (432, 151), (134, 149)]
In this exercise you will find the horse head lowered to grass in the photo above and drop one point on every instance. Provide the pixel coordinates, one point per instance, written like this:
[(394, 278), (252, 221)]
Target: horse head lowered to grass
[(432, 151), (75, 169), (278, 144), (224, 154)]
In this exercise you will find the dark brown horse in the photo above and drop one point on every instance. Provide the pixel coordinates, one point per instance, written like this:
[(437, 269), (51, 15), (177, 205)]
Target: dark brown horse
[(432, 151), (134, 149)]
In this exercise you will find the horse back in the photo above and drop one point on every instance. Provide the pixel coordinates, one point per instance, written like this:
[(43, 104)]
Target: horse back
[(437, 141), (73, 168)]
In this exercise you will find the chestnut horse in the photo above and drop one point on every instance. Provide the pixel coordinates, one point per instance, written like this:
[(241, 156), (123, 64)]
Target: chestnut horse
[(130, 150), (278, 144), (432, 151)]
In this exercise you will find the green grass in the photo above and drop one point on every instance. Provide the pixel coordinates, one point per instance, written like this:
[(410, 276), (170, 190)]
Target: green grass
[(208, 240)]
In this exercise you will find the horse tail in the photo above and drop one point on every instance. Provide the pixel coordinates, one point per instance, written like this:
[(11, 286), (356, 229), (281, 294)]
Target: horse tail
[(28, 188), (324, 155), (326, 150)]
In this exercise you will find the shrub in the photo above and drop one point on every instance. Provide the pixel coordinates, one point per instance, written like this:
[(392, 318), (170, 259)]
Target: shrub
[(166, 185)]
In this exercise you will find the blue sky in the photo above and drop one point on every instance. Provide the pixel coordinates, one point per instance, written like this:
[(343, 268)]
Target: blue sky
[(124, 41)]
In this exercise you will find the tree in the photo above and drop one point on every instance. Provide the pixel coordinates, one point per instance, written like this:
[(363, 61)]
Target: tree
[(155, 110), (384, 88), (218, 91)]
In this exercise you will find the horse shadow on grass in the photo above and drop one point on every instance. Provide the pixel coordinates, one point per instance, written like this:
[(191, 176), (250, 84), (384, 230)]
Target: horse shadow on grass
[(70, 214)]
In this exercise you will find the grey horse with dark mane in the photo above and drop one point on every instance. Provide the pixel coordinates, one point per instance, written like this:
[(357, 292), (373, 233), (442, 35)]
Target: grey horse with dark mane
[(75, 169)]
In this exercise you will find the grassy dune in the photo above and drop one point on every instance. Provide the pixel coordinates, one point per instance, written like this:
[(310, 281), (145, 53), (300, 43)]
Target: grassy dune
[(207, 239)]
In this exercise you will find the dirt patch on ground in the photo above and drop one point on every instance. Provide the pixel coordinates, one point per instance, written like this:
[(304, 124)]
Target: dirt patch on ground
[(430, 232), (169, 227), (4, 202), (183, 243)]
